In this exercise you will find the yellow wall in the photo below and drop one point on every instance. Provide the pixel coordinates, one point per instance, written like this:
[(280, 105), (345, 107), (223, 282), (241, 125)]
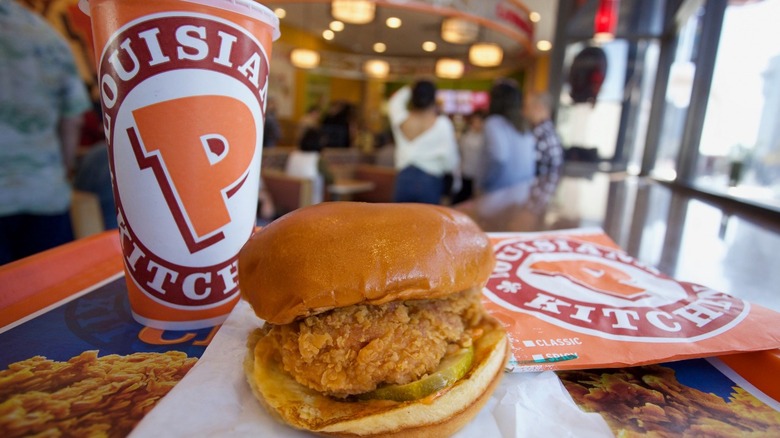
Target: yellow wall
[(350, 90), (538, 78)]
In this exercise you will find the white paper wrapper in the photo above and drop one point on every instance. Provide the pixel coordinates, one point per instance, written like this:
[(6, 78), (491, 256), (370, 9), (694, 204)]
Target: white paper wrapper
[(214, 399)]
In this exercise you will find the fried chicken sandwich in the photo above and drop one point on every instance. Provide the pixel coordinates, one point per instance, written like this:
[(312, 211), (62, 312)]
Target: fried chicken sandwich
[(373, 320)]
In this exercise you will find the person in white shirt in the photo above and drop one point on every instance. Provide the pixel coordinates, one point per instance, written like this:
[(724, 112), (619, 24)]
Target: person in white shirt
[(425, 145), (307, 162)]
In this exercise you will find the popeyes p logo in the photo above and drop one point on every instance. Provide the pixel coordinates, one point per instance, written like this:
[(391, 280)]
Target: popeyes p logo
[(599, 277), (593, 289), (183, 96), (198, 158)]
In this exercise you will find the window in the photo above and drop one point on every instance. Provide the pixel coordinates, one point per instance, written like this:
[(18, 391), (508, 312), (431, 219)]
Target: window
[(678, 97), (739, 152)]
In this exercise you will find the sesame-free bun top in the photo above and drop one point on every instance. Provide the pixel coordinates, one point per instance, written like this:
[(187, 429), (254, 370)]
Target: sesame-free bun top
[(338, 254)]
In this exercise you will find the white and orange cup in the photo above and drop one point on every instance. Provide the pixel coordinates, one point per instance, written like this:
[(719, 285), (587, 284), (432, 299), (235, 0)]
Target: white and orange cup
[(183, 86)]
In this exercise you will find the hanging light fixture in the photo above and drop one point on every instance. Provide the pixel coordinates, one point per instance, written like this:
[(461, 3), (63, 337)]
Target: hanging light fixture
[(449, 68), (304, 58), (376, 68), (486, 54), (458, 30), (606, 19), (353, 11)]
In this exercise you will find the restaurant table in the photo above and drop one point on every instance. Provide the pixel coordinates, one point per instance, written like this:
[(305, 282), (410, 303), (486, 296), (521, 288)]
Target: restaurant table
[(692, 237), (69, 301), (343, 189)]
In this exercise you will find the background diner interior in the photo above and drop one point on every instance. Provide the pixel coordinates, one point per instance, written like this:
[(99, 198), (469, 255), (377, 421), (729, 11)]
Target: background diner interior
[(678, 93)]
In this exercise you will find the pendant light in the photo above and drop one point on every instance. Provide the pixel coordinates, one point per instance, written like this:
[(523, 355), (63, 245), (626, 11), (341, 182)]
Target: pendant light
[(353, 11), (458, 30), (449, 68), (486, 54), (304, 58), (376, 68)]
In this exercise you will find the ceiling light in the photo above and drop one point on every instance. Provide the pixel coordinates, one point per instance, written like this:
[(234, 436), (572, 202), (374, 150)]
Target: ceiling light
[(304, 58), (534, 17), (380, 47), (393, 22), (376, 68), (543, 45), (353, 11), (458, 30), (336, 26), (429, 46), (280, 13), (486, 54), (328, 34), (448, 68)]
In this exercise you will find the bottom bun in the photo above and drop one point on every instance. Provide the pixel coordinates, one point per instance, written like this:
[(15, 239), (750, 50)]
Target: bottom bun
[(439, 414)]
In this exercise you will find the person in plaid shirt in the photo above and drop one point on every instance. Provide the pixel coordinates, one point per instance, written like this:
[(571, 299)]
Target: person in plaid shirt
[(549, 151)]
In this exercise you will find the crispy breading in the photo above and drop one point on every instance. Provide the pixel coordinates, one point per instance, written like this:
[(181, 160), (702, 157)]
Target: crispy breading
[(354, 349)]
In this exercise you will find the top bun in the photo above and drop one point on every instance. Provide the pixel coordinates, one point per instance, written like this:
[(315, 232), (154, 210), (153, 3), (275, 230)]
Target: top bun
[(338, 254)]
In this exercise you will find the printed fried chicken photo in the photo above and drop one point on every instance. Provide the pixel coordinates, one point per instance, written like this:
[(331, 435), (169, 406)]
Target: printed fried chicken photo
[(650, 401), (87, 395)]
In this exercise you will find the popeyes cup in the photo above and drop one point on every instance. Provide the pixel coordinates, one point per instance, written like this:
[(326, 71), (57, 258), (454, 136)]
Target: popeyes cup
[(183, 85)]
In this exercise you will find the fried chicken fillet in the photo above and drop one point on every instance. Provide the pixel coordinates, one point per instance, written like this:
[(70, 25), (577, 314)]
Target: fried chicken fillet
[(354, 349)]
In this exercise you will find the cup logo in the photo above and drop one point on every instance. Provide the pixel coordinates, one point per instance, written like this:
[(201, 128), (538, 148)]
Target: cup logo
[(183, 97), (182, 152), (602, 291)]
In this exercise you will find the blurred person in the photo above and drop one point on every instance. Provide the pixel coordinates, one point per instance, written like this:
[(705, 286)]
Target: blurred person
[(510, 156), (384, 155), (272, 131), (425, 145), (307, 162), (472, 147), (537, 108), (337, 125), (310, 120), (42, 101), (93, 172)]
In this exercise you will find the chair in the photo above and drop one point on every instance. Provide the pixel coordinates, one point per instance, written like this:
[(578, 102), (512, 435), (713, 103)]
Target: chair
[(383, 179), (287, 192), (342, 161)]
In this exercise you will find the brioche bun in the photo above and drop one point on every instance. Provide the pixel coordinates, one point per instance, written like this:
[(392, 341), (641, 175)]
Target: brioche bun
[(440, 414), (342, 253)]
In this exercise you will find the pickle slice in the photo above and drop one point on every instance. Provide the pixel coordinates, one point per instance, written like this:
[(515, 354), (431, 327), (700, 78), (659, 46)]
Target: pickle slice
[(449, 371)]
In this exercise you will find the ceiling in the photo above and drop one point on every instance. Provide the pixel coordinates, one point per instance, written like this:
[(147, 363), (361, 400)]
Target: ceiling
[(404, 45)]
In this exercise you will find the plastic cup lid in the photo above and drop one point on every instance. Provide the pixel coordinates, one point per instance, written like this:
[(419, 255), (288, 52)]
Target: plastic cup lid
[(246, 7)]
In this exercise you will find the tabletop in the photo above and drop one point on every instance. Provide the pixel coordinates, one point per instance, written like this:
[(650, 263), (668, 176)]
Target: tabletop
[(66, 309), (687, 236)]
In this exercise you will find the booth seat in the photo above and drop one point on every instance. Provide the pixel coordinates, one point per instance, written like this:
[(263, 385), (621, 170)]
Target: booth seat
[(384, 182), (289, 192)]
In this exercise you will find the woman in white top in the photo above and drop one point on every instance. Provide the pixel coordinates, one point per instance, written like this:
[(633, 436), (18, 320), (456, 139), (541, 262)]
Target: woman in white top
[(425, 145)]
